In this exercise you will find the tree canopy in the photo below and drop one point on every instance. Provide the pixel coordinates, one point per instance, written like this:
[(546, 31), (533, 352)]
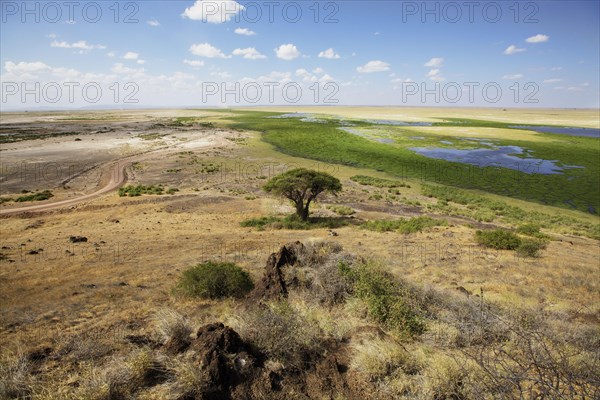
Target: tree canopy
[(302, 186)]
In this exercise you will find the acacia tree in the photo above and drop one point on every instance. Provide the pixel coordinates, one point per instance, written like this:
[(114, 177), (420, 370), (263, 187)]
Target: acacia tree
[(302, 186)]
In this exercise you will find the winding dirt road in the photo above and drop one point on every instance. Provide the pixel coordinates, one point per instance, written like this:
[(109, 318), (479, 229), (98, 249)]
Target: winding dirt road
[(117, 176)]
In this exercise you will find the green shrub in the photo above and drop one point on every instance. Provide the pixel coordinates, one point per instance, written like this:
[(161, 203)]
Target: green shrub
[(377, 182), (45, 195), (386, 301), (531, 230), (411, 225), (138, 190), (530, 248), (259, 223), (293, 222), (213, 280), (498, 239)]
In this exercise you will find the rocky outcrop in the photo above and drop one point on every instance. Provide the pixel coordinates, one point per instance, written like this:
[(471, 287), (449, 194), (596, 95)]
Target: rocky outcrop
[(274, 283)]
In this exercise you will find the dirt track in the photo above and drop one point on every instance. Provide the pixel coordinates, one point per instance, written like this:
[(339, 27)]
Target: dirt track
[(117, 176)]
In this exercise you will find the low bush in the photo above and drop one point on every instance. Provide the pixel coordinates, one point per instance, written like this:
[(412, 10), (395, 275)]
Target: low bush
[(40, 196), (214, 280), (377, 182), (341, 210), (530, 248), (411, 225), (498, 239), (138, 190), (294, 222), (386, 300), (531, 230)]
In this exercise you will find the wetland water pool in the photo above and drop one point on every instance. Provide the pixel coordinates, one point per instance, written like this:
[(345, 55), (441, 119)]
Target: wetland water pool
[(565, 130), (501, 156)]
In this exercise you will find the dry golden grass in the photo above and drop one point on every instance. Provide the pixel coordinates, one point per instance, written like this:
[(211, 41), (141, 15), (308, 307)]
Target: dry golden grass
[(85, 302)]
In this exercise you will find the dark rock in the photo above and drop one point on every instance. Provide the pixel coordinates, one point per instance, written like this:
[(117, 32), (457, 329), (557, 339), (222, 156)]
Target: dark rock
[(39, 354), (464, 291), (78, 239), (89, 286)]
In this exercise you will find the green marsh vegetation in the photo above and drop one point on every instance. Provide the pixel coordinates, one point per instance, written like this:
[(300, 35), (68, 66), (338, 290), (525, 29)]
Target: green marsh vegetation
[(575, 188)]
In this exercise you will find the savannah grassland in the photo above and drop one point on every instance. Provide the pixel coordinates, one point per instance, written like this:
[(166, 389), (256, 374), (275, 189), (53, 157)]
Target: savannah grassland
[(92, 319)]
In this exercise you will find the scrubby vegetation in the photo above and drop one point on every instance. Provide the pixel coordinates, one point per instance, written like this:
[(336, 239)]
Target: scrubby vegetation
[(293, 222), (39, 196), (501, 239), (498, 239), (211, 280), (409, 225), (387, 302), (532, 230), (345, 328), (341, 210), (482, 208), (138, 190), (378, 182), (530, 247)]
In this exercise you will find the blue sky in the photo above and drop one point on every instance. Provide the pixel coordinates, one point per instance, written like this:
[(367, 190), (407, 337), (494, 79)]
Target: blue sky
[(181, 53)]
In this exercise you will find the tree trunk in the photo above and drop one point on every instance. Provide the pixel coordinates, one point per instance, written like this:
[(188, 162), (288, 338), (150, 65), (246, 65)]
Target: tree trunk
[(302, 211)]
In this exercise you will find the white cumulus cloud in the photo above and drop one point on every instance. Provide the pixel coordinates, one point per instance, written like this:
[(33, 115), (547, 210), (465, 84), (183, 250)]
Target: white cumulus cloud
[(153, 22), (244, 31), (206, 50), (287, 52), (512, 77), (539, 38), (512, 49), (435, 62), (373, 66), (250, 53), (435, 75), (130, 55), (194, 63), (22, 67), (80, 45), (119, 68), (213, 11), (329, 53), (552, 80)]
